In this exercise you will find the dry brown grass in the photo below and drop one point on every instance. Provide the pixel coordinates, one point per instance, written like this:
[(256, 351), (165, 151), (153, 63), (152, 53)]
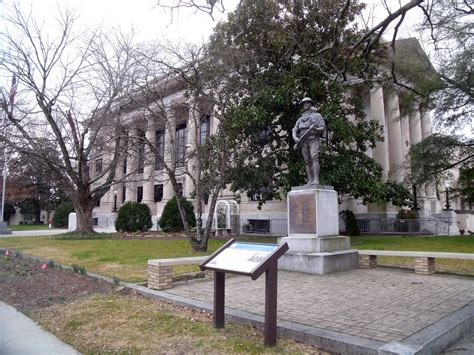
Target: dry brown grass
[(128, 323)]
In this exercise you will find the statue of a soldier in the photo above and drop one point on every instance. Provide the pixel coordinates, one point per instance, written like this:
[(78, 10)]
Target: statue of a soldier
[(307, 132)]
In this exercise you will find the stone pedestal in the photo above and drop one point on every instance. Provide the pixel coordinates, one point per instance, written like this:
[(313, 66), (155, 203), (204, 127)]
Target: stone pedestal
[(313, 233), (3, 228), (451, 217)]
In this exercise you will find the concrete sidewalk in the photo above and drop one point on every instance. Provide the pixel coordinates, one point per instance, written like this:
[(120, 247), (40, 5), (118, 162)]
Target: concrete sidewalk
[(44, 232), (38, 232), (20, 335)]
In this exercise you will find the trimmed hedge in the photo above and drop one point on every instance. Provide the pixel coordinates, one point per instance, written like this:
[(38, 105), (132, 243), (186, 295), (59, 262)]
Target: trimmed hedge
[(170, 220), (61, 214), (133, 217)]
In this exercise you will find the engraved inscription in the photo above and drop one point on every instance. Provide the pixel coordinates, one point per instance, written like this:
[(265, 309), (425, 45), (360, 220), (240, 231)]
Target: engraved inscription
[(302, 213)]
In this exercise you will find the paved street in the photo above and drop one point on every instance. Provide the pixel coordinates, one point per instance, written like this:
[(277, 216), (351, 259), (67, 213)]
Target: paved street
[(378, 304), (20, 335)]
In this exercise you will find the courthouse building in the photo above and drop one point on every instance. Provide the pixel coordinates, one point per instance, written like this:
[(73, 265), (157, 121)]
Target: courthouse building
[(148, 183)]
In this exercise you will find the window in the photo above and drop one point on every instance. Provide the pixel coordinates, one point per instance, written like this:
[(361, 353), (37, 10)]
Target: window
[(98, 166), (204, 129), (180, 144), (97, 204), (124, 194), (160, 150), (206, 198), (180, 190), (124, 166), (139, 193), (141, 152), (158, 193)]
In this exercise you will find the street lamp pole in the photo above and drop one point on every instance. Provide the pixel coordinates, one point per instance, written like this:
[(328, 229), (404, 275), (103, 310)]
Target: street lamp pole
[(448, 206), (415, 199)]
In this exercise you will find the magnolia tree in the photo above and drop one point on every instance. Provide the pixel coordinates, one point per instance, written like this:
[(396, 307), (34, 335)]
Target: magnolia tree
[(68, 79), (250, 77)]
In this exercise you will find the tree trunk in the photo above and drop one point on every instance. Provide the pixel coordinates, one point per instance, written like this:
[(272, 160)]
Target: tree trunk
[(84, 217), (38, 215)]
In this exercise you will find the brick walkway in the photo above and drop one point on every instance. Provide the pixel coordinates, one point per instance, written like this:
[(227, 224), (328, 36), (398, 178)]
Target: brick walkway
[(377, 304)]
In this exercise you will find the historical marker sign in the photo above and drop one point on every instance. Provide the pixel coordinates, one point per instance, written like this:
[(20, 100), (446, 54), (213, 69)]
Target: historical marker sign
[(242, 257), (302, 213), (252, 260)]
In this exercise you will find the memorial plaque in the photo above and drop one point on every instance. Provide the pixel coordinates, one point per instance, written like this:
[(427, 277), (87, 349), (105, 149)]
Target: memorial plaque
[(302, 213)]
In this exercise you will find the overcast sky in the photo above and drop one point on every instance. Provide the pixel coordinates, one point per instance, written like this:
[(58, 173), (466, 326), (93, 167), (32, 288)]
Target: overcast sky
[(153, 22)]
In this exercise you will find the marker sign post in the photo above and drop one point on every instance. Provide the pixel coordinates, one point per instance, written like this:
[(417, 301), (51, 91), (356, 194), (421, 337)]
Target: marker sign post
[(248, 259)]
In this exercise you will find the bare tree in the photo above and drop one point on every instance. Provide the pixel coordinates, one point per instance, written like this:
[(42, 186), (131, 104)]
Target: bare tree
[(68, 81), (171, 89)]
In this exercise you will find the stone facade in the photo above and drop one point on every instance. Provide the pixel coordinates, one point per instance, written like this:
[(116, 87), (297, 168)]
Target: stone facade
[(403, 127)]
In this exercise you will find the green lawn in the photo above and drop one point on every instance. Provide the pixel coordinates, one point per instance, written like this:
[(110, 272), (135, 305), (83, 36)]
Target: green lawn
[(125, 259), (27, 227), (459, 244)]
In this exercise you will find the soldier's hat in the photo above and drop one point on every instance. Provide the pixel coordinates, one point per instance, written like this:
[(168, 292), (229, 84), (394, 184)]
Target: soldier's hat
[(306, 99)]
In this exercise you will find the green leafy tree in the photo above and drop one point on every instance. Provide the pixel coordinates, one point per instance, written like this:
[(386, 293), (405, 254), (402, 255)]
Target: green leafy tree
[(272, 53), (433, 159), (61, 214), (9, 210), (352, 228)]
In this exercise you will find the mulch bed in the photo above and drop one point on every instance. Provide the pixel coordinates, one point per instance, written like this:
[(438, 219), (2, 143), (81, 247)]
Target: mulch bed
[(26, 286)]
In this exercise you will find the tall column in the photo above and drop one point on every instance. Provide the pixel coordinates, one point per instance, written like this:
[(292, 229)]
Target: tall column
[(432, 202), (117, 187), (149, 168), (405, 127), (131, 189), (377, 112), (191, 143), (415, 137), (425, 122), (380, 152), (392, 112), (170, 131), (415, 125)]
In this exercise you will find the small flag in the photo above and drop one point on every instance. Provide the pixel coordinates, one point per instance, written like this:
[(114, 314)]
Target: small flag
[(13, 90)]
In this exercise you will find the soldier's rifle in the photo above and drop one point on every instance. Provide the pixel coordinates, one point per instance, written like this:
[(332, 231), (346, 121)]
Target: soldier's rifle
[(305, 135)]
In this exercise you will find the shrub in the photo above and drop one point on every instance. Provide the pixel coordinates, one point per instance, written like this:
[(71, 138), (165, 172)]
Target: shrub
[(170, 220), (352, 229), (133, 217), (61, 214)]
